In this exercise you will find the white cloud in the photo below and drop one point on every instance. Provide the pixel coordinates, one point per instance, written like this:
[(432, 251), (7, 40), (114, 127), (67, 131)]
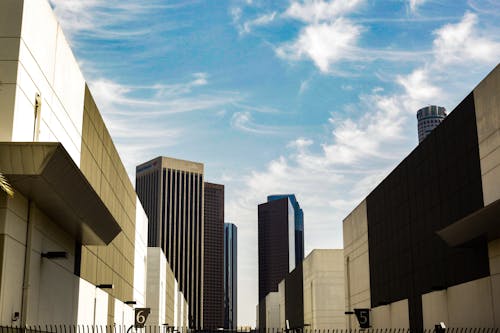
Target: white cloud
[(262, 20), (314, 11), (243, 121), (101, 18), (414, 4), (324, 43), (463, 42)]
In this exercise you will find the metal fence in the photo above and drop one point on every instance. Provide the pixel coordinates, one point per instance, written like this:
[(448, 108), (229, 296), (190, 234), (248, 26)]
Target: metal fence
[(170, 329)]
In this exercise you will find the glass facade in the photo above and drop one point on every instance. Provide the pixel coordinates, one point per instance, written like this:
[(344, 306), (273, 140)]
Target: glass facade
[(299, 224), (230, 276)]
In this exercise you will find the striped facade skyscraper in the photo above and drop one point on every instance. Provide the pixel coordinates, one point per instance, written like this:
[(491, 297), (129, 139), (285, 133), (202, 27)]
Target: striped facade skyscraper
[(172, 192)]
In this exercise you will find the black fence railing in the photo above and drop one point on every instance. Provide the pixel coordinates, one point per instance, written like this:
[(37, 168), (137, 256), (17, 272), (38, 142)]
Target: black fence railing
[(170, 329)]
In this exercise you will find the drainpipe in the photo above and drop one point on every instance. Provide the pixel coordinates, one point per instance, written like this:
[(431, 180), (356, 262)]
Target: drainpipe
[(27, 264), (348, 291)]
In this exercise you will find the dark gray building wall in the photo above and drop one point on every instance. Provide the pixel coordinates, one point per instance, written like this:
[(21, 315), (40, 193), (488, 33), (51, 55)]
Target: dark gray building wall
[(213, 273), (273, 245), (294, 297), (437, 184)]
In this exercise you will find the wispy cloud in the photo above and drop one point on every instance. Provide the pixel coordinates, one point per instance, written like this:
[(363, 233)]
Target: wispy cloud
[(138, 116), (314, 11), (261, 20), (414, 4), (102, 19), (243, 121)]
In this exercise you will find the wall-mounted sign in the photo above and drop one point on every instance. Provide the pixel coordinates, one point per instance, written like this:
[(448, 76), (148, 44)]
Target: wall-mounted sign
[(141, 315), (363, 316)]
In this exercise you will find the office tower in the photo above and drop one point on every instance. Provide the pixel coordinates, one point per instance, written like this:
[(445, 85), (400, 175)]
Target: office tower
[(299, 224), (213, 273), (276, 224), (230, 276), (171, 192), (428, 118)]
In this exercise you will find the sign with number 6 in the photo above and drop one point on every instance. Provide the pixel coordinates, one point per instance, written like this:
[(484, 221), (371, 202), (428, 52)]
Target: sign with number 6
[(141, 315)]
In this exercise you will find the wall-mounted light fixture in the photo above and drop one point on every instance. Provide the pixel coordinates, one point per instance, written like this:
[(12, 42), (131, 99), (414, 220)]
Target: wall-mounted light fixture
[(131, 302), (105, 286), (55, 255)]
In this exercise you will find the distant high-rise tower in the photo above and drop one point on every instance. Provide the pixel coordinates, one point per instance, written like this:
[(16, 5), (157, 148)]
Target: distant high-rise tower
[(213, 273), (230, 276), (171, 192), (277, 249), (299, 225), (428, 118)]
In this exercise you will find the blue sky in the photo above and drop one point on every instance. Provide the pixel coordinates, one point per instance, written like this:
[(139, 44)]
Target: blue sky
[(312, 97)]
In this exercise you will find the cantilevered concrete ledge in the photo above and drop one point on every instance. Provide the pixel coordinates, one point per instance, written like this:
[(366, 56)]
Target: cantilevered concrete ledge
[(46, 174), (484, 222)]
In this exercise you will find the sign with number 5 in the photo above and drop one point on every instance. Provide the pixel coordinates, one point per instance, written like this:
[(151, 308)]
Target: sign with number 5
[(141, 314), (363, 316)]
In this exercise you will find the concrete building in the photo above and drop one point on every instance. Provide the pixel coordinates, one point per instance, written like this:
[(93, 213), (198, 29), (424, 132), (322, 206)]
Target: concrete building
[(423, 247), (73, 236), (311, 297), (171, 192), (213, 273), (230, 276), (167, 303), (299, 224), (429, 117)]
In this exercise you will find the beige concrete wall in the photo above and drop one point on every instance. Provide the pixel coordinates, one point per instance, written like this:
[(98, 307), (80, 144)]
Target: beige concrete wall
[(435, 308), (394, 315), (356, 262), (157, 285), (468, 304), (102, 166), (494, 256), (140, 255), (273, 319), (282, 303), (324, 291), (54, 294), (487, 106), (45, 66)]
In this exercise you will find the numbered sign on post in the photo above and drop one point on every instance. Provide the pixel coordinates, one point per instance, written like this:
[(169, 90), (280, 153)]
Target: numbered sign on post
[(141, 314), (363, 316)]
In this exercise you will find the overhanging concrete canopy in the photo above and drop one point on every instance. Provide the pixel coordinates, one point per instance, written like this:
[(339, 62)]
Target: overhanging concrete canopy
[(485, 221), (46, 174)]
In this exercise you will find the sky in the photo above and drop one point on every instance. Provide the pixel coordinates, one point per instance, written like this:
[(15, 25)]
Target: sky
[(312, 97)]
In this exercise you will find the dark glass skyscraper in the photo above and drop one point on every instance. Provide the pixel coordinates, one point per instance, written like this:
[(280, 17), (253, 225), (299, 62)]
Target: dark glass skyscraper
[(171, 192), (230, 276), (299, 224), (213, 273), (278, 252)]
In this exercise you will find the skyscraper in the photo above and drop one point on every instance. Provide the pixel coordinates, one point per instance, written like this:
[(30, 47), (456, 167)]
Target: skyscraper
[(428, 118), (213, 273), (277, 244), (171, 192), (299, 224), (230, 276)]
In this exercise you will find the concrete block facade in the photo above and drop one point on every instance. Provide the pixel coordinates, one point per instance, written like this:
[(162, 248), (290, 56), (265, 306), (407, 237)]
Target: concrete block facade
[(430, 229)]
